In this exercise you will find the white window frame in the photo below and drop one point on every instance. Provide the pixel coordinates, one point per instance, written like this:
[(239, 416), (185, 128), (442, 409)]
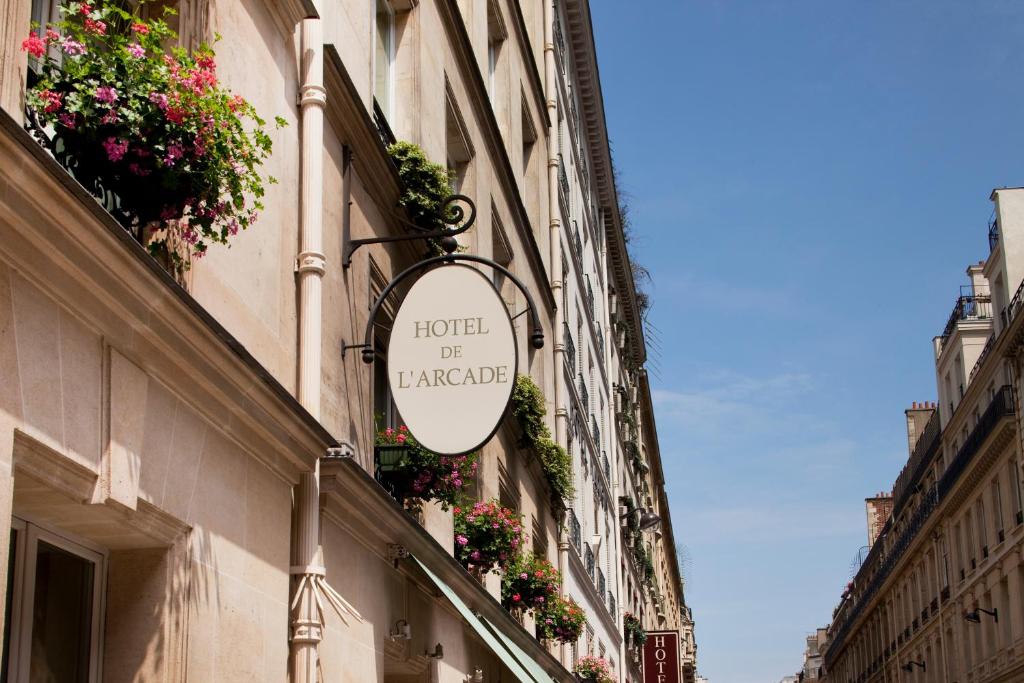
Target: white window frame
[(388, 106), (23, 591)]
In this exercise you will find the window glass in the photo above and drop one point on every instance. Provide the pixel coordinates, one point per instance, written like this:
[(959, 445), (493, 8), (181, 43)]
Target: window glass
[(383, 56), (62, 611)]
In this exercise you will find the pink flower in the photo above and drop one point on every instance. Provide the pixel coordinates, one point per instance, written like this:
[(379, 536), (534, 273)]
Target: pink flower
[(136, 50), (516, 597), (105, 94), (95, 26), (523, 575), (174, 152), (138, 170), (475, 554), (52, 99), (461, 540), (400, 438), (52, 35), (34, 45), (116, 148), (141, 29), (109, 117), (159, 99), (85, 10), (389, 431), (175, 114), (67, 120), (72, 46)]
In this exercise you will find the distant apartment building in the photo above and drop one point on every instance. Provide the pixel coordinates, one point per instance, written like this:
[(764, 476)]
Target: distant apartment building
[(940, 595)]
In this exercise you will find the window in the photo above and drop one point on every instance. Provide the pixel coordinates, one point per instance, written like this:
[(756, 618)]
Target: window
[(44, 12), (496, 35), (508, 495), (540, 539), (982, 531), (1015, 482), (56, 602), (385, 413), (460, 150), (384, 57), (945, 561), (997, 505), (960, 556)]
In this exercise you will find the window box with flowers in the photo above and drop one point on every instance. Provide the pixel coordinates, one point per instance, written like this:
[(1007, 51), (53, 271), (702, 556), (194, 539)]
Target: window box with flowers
[(529, 583), (562, 620), (593, 670), (172, 155), (412, 473), (636, 636), (487, 536)]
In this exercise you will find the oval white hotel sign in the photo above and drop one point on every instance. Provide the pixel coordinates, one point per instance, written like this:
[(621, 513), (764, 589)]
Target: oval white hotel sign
[(452, 359)]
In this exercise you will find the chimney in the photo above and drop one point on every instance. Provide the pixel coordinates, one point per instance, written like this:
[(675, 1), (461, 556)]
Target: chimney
[(918, 415)]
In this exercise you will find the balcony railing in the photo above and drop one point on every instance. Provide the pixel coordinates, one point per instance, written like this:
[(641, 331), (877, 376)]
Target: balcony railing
[(574, 240), (983, 355), (924, 450), (584, 395), (606, 466), (387, 136), (563, 180), (611, 605), (993, 233), (595, 431), (588, 560), (601, 587), (575, 532), (975, 306), (570, 347), (1002, 405), (1011, 310), (590, 297)]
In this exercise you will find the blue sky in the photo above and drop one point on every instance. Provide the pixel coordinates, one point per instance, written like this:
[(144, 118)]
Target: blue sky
[(808, 181)]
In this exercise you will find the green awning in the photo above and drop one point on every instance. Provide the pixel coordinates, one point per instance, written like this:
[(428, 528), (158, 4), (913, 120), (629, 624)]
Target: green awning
[(531, 664), (485, 632)]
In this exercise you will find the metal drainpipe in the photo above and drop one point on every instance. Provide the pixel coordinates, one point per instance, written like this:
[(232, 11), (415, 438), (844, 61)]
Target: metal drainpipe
[(306, 622), (554, 236)]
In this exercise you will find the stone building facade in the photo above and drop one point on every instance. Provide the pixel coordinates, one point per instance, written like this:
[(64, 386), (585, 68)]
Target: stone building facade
[(189, 463), (940, 596)]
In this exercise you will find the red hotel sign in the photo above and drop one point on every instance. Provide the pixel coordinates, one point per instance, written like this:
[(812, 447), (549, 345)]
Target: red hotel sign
[(661, 657)]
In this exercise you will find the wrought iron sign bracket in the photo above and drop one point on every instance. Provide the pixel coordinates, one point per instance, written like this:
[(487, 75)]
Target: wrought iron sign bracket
[(451, 213)]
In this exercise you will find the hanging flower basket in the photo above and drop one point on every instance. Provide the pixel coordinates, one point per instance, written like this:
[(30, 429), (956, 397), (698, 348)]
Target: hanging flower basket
[(561, 620), (487, 535), (593, 669), (635, 633), (170, 152), (529, 583), (409, 471)]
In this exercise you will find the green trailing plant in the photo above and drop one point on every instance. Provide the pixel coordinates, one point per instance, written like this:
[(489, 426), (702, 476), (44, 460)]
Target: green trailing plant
[(635, 632), (529, 411), (425, 185)]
